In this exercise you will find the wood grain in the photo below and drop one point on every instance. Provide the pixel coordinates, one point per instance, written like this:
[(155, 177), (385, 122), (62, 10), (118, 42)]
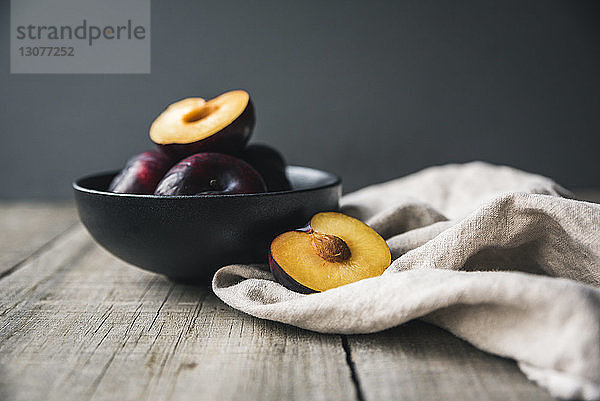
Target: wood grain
[(26, 226), (418, 361), (77, 324)]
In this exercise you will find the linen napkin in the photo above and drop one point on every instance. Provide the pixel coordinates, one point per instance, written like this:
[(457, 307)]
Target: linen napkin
[(499, 257)]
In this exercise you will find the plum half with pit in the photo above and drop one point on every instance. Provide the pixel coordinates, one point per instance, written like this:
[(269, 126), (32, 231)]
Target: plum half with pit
[(223, 124), (332, 250), (211, 174), (270, 164), (142, 173)]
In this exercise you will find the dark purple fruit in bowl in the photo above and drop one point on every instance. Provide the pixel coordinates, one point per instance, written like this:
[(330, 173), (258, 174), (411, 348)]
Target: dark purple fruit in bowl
[(193, 125), (211, 174), (270, 164), (142, 173)]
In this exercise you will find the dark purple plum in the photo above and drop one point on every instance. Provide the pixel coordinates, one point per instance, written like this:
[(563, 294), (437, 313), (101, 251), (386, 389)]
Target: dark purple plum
[(211, 174), (270, 164), (142, 173)]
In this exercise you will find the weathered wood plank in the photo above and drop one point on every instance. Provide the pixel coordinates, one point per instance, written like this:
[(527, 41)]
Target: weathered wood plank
[(27, 226), (418, 361), (77, 324)]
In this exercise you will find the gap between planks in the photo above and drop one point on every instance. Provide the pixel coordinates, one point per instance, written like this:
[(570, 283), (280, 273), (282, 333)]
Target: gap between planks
[(38, 251), (26, 228), (351, 365), (373, 373), (81, 325)]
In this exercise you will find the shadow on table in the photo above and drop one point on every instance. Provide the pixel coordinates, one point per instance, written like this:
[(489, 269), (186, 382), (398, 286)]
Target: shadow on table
[(428, 362), (418, 339)]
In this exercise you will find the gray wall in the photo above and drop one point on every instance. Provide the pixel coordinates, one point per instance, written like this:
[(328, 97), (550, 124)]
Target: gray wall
[(370, 90)]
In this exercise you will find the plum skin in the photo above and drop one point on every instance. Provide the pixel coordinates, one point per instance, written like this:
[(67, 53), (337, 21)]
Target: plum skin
[(142, 173), (230, 140), (284, 279), (211, 174), (270, 164)]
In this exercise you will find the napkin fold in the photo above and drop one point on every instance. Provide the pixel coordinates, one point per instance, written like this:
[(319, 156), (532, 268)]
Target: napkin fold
[(499, 257)]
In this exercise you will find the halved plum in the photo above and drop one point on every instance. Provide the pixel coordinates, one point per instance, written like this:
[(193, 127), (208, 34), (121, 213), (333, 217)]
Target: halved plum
[(193, 125), (333, 250)]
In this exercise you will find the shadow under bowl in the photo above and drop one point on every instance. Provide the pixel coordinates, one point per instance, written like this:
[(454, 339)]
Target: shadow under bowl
[(188, 238)]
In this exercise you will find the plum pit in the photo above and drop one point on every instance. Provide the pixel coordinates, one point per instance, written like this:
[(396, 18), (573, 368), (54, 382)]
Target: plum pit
[(330, 247)]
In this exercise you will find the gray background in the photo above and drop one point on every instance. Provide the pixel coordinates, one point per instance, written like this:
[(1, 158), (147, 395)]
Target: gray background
[(370, 90)]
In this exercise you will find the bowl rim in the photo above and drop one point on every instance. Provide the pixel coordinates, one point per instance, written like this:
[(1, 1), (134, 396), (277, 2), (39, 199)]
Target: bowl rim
[(336, 180)]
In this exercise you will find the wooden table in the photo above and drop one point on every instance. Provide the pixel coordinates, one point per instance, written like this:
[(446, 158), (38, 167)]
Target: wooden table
[(78, 324)]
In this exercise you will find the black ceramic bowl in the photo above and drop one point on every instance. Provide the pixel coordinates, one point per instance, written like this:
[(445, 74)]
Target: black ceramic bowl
[(189, 237)]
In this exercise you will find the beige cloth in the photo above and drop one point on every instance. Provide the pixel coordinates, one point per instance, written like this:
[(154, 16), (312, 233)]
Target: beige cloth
[(495, 255)]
